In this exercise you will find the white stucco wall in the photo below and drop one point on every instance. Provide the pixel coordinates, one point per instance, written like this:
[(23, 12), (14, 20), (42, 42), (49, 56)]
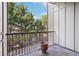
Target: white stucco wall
[(77, 27), (0, 28), (56, 23), (66, 30), (50, 24), (70, 25), (62, 24)]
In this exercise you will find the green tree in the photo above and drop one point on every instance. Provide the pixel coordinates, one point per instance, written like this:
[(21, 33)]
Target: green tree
[(18, 15), (25, 19), (11, 15), (41, 23)]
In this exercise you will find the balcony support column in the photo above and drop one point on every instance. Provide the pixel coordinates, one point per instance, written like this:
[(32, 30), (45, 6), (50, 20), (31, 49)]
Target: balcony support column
[(4, 28)]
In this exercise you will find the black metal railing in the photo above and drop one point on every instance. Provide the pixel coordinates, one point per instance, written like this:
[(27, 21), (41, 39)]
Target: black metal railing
[(20, 43)]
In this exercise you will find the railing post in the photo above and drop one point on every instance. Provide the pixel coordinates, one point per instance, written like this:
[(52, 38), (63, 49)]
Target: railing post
[(1, 29), (4, 28)]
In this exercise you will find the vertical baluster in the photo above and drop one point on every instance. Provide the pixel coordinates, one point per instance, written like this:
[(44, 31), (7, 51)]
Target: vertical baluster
[(8, 50), (39, 36), (19, 45), (32, 43), (46, 36), (27, 43), (9, 46), (12, 45), (24, 43), (20, 42), (36, 38), (42, 36), (16, 44)]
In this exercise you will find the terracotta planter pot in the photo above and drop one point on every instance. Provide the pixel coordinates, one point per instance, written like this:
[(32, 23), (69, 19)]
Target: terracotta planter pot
[(44, 47)]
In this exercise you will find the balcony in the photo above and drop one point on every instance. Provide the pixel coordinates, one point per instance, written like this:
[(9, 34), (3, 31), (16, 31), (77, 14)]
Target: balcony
[(30, 45), (62, 34)]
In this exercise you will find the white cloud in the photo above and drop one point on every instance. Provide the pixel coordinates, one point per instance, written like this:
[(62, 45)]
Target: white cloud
[(36, 17), (44, 13), (36, 2), (44, 3)]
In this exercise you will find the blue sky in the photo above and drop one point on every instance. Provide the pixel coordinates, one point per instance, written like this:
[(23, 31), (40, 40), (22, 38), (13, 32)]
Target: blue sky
[(37, 8)]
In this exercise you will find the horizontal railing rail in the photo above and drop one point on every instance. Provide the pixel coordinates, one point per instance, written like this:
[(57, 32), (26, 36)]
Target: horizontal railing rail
[(30, 32)]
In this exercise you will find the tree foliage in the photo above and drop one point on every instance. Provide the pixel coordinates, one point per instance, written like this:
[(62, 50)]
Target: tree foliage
[(18, 15), (42, 23)]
